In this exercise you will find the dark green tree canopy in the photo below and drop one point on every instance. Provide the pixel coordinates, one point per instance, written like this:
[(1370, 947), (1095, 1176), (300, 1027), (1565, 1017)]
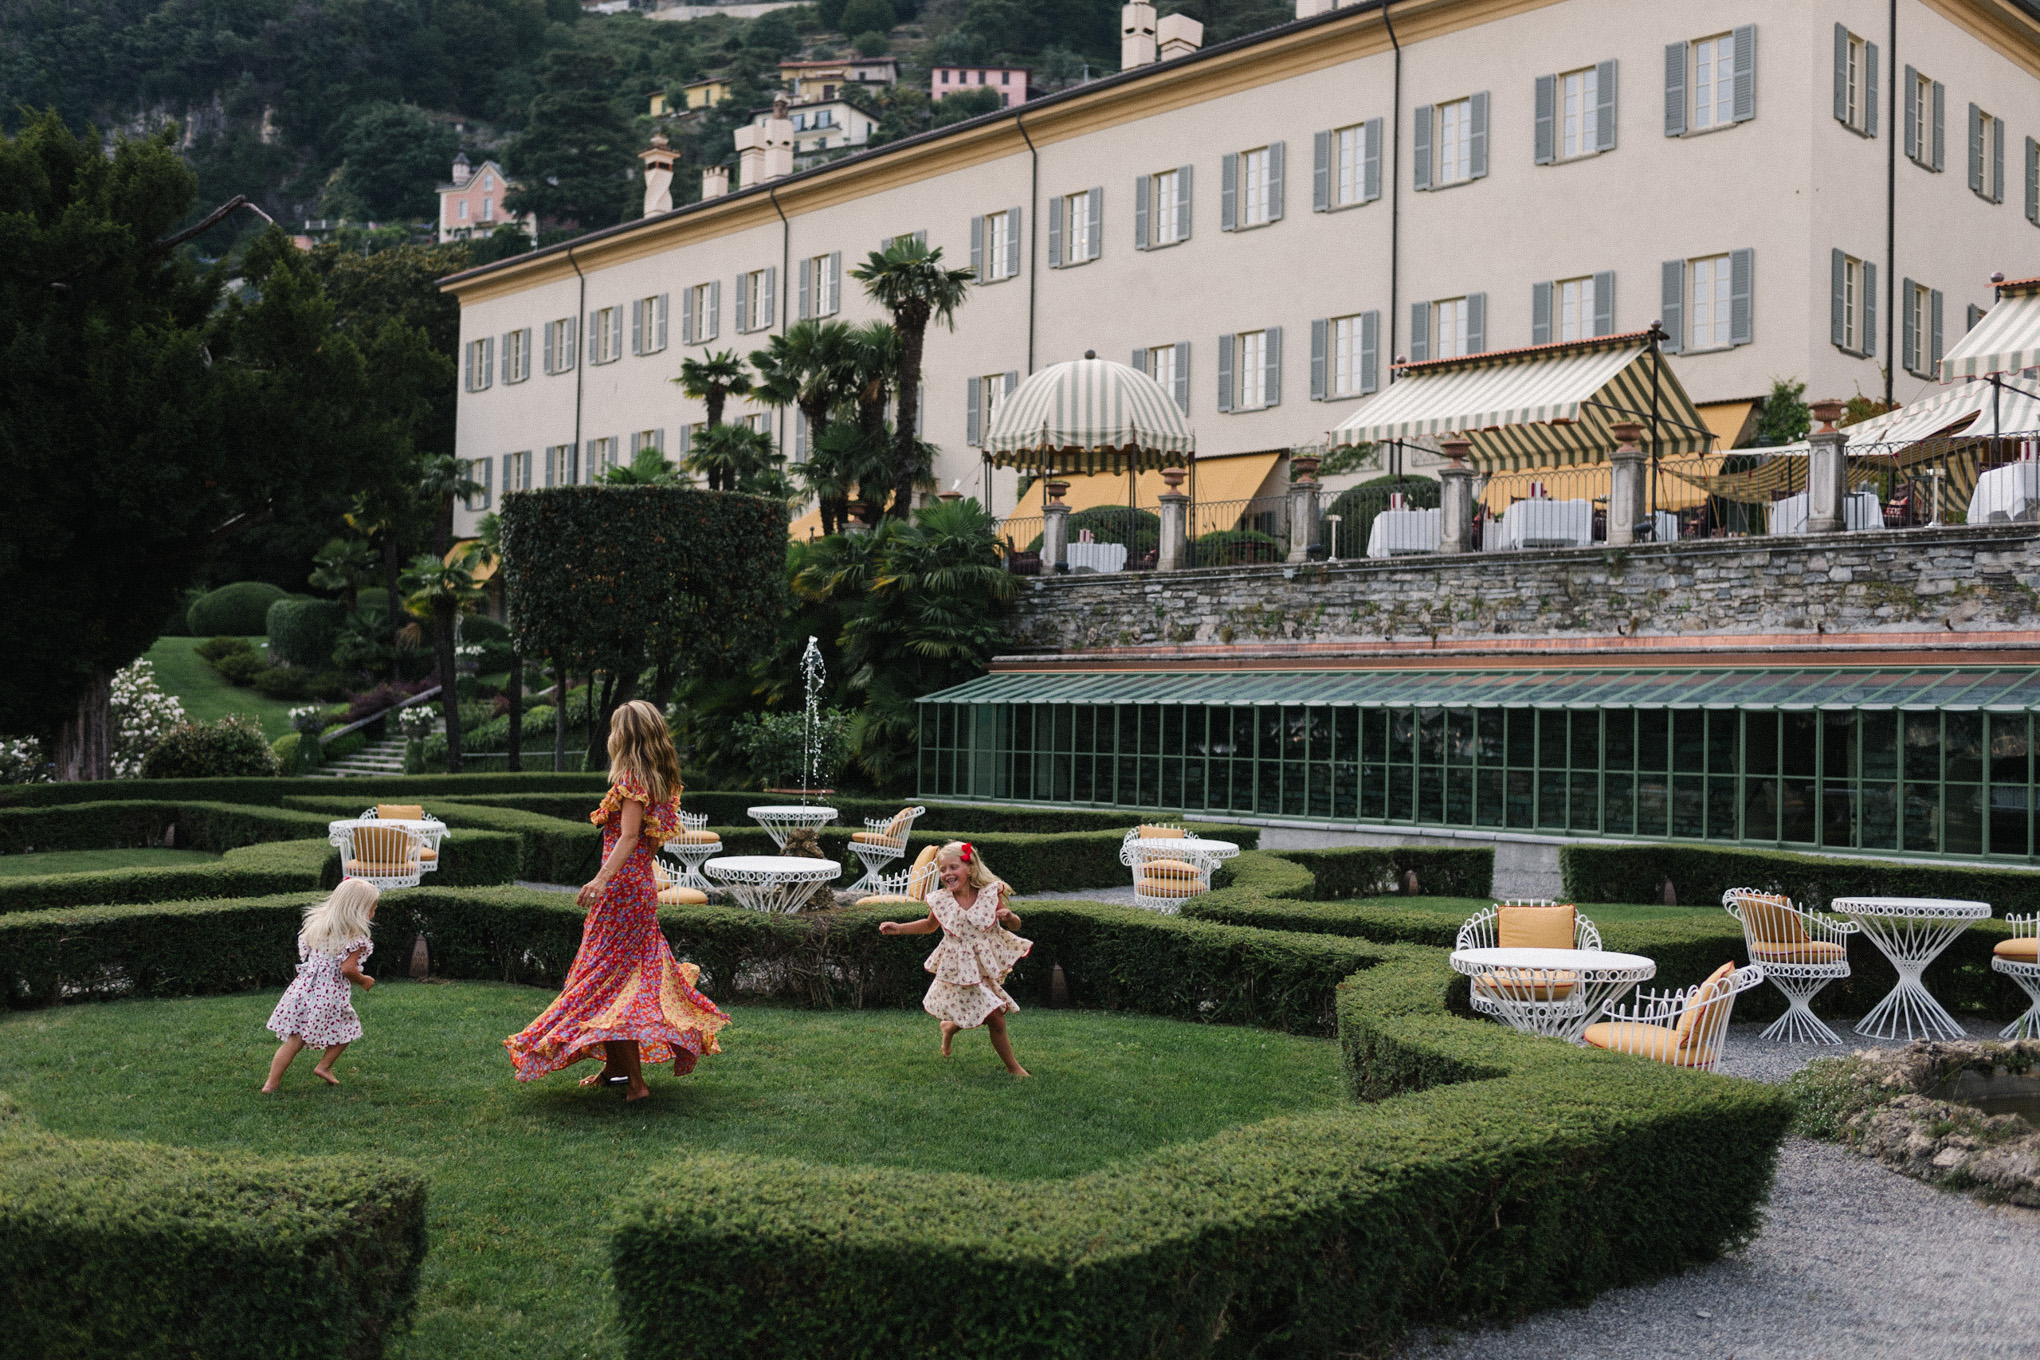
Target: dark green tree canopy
[(396, 156), (577, 152)]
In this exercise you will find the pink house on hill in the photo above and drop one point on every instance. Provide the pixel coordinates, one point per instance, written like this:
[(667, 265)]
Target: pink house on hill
[(472, 203), (1009, 81)]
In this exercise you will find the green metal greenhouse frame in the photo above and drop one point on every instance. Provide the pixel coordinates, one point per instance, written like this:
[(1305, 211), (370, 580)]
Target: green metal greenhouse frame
[(1923, 761)]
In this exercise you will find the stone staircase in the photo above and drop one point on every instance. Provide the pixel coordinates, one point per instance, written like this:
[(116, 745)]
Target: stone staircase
[(380, 758)]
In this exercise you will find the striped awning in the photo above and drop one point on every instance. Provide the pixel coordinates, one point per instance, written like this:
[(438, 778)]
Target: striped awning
[(1970, 409), (1089, 415), (1546, 406), (2007, 339)]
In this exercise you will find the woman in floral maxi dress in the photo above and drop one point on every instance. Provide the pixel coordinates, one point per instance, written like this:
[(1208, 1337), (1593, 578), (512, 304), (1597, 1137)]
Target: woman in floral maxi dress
[(627, 1000)]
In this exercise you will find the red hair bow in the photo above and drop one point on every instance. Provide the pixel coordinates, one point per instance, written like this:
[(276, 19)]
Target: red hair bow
[(966, 854)]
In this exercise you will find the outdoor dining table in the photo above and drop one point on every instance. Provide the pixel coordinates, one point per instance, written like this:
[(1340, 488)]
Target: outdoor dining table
[(1525, 983), (1399, 533), (1187, 845), (1860, 511), (776, 883), (2013, 489), (1911, 932), (1099, 557), (1540, 522), (780, 818)]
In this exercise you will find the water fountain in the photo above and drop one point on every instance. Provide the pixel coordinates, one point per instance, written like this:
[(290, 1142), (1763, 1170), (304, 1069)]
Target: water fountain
[(812, 674)]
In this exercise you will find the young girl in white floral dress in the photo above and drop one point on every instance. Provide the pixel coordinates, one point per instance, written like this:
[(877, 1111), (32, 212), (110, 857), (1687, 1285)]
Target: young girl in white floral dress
[(976, 953), (317, 1009)]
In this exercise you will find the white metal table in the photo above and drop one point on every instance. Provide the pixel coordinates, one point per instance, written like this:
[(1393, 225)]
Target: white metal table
[(1911, 932), (1540, 522), (1553, 992), (2013, 489), (778, 819), (777, 883), (1403, 533), (1098, 557), (1186, 846)]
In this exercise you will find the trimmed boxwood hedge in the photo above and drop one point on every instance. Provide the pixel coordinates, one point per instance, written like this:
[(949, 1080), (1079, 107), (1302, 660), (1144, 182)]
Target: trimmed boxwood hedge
[(134, 1249), (1702, 873)]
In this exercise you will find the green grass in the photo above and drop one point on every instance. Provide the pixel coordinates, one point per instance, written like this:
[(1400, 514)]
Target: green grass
[(208, 698), (91, 861), (522, 1176)]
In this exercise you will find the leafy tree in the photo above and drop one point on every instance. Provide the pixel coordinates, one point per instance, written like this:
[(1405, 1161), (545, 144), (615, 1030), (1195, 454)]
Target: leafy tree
[(343, 566), (865, 16), (731, 457), (965, 105), (578, 149), (908, 280), (444, 481), (773, 34), (647, 467), (442, 591), (1785, 417), (812, 367), (395, 158), (714, 379)]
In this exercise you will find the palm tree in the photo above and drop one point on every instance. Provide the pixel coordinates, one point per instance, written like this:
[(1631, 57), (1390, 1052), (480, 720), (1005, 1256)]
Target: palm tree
[(343, 565), (730, 455), (813, 367), (647, 467), (714, 379), (445, 478), (908, 280), (444, 589)]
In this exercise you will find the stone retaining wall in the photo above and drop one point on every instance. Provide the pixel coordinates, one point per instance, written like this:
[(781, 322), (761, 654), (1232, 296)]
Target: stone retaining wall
[(1962, 578)]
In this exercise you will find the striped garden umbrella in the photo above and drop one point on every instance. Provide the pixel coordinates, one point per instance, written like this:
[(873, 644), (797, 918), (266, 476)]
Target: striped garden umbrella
[(1089, 415)]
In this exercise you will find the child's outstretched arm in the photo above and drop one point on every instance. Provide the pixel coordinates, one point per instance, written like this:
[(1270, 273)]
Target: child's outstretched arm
[(927, 925), (350, 968), (1003, 916)]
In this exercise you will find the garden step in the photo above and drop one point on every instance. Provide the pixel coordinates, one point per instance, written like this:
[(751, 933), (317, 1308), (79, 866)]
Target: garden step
[(385, 757)]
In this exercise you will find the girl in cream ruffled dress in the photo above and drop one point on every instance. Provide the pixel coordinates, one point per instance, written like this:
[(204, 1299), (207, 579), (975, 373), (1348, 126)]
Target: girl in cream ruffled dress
[(976, 953)]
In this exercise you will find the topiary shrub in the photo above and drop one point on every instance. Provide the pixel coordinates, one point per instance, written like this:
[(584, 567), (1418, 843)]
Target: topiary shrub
[(241, 668), (232, 746), (302, 632), (1235, 547), (1357, 506), (283, 682), (217, 649), (241, 608)]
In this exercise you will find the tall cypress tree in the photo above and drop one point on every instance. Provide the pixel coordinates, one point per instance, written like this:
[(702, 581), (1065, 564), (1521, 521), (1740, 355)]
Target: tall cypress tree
[(574, 160)]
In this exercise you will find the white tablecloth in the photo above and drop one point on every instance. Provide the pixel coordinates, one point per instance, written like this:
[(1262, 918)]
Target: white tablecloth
[(1397, 532), (1099, 557), (2013, 489), (1859, 511), (1541, 523)]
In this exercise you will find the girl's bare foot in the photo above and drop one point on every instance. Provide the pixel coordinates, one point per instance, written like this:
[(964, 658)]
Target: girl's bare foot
[(1019, 1071), (269, 1088), (323, 1075), (949, 1028), (635, 1092)]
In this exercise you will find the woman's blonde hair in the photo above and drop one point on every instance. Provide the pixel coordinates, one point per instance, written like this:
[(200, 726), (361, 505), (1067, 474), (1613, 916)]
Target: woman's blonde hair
[(980, 876), (640, 745), (341, 921)]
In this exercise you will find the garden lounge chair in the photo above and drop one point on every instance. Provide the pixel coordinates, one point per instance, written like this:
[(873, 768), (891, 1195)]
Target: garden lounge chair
[(387, 856), (674, 890), (695, 844), (909, 887), (1681, 1029), (2019, 959), (1527, 924), (431, 835), (1799, 950), (882, 841)]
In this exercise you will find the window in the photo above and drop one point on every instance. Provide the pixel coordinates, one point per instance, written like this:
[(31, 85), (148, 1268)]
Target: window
[(1449, 333), (1986, 155), (562, 465), (1575, 114), (654, 440), (1257, 189), (1572, 309), (1706, 301), (1853, 306), (463, 210), (648, 324), (516, 356), (821, 283), (601, 457), (477, 471), (481, 364), (995, 244), (1920, 338), (754, 300), (1161, 208), (982, 398), (605, 335), (1449, 142), (517, 471), (561, 351), (701, 317), (1250, 187), (1855, 82), (1926, 103), (1578, 100), (488, 180), (1075, 227), (1345, 356), (1168, 365), (1448, 328), (1711, 82), (1346, 166), (1250, 370), (488, 210), (1455, 141)]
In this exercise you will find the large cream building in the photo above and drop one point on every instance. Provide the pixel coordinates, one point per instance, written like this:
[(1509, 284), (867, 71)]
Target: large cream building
[(1796, 189)]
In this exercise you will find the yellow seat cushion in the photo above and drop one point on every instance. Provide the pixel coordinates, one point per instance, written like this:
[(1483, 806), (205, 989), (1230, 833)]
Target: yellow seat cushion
[(2025, 949), (920, 878), (1534, 927), (891, 900), (374, 868), (875, 837), (695, 838), (400, 812), (1771, 922), (1160, 833), (427, 852), (1689, 1018), (1806, 951), (673, 895), (1169, 887), (1660, 1043), (1553, 986)]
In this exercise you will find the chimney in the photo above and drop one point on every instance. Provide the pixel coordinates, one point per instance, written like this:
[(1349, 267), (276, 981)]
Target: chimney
[(765, 150), (1136, 35), (658, 161), (1180, 35), (461, 170), (715, 182), (1310, 9)]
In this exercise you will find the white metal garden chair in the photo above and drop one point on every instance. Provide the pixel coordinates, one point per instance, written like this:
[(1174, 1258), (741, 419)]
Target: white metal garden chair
[(883, 840), (1680, 1029), (1528, 923), (674, 889), (694, 845), (388, 856), (2019, 959), (910, 886), (1799, 950), (430, 829)]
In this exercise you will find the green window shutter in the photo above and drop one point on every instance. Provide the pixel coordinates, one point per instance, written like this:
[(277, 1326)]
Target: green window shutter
[(1544, 134), (1013, 243), (1675, 89), (800, 435), (1420, 332), (1476, 323), (570, 346), (1055, 232), (1012, 381), (504, 348), (977, 245), (1745, 73), (1604, 302), (1225, 372), (637, 325), (1841, 73), (1940, 124), (1320, 171), (1997, 160), (1097, 211), (1604, 106), (1934, 328), (1869, 308), (1912, 113), (1272, 367), (1908, 333), (1139, 362), (1975, 149), (2033, 181), (1870, 89), (1540, 313), (1183, 203), (1672, 305), (684, 440), (1370, 165), (549, 347), (1182, 393), (1228, 191), (1370, 352), (467, 372), (1142, 186), (743, 308), (1276, 158), (973, 430), (835, 282), (1420, 146), (1477, 143), (686, 326), (804, 289), (768, 306), (1318, 328), (714, 326), (1838, 296), (662, 320), (615, 334), (594, 325)]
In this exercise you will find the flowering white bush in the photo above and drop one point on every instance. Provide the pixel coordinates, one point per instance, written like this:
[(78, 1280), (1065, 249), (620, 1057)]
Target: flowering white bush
[(22, 761), (307, 719), (417, 722), (142, 715)]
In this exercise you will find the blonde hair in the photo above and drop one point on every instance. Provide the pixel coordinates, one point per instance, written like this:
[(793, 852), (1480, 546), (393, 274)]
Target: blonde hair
[(341, 921), (640, 745), (980, 876)]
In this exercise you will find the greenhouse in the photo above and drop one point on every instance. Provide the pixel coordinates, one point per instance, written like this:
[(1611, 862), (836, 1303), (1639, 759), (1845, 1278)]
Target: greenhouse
[(1926, 761)]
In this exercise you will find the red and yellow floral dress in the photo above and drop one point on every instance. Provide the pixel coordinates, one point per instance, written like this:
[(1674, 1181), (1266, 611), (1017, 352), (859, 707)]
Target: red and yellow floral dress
[(625, 983)]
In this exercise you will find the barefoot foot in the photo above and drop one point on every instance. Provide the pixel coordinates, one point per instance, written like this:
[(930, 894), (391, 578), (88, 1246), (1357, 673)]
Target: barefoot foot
[(949, 1028), (269, 1088), (1019, 1071), (323, 1075), (635, 1092)]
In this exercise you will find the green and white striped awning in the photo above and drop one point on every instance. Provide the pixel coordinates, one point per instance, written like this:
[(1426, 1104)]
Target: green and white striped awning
[(1089, 415), (1995, 689), (2006, 340), (1547, 406)]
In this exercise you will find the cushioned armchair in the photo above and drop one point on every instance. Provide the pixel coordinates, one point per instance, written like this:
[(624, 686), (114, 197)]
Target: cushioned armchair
[(430, 834), (389, 856), (694, 846), (2019, 959), (1527, 924), (909, 887), (1799, 950), (1681, 1029), (883, 840)]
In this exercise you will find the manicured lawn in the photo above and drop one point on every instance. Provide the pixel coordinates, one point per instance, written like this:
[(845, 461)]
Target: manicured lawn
[(206, 697), (86, 861), (522, 1176)]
